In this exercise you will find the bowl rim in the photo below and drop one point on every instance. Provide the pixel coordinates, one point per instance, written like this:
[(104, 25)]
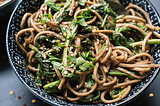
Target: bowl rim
[(133, 97), (6, 3)]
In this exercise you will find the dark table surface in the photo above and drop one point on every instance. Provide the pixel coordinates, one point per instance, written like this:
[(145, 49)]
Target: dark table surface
[(10, 82)]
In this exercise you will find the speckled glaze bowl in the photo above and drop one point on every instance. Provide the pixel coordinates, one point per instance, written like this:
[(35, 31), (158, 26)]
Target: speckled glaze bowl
[(19, 64)]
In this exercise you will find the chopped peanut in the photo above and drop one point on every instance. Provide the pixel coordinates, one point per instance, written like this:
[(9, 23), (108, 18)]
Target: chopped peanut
[(64, 34), (43, 77), (33, 101), (54, 75), (11, 92), (72, 71), (151, 95)]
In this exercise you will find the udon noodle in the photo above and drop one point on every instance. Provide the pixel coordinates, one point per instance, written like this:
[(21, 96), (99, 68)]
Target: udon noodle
[(83, 52)]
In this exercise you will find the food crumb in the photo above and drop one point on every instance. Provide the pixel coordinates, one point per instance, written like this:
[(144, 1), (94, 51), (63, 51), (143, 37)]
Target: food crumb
[(11, 92), (24, 104), (19, 97), (33, 101), (151, 95), (4, 57)]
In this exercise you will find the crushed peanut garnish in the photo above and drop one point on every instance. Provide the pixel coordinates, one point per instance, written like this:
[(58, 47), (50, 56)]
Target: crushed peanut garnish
[(11, 92), (33, 101), (151, 95)]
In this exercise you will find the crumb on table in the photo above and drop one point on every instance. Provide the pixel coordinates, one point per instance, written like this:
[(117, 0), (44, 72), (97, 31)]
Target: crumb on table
[(11, 92), (33, 101), (151, 95)]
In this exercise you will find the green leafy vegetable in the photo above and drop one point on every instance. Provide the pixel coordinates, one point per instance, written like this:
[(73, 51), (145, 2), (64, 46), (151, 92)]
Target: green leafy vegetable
[(63, 13), (53, 57), (52, 4), (72, 59), (104, 21), (85, 55), (46, 18), (42, 38), (52, 87), (87, 41), (86, 65), (49, 74), (90, 28), (38, 78), (69, 34), (120, 73), (83, 64), (116, 93), (90, 80), (82, 2), (85, 15), (149, 42), (59, 66), (119, 17), (82, 22), (80, 61), (33, 48), (119, 39), (103, 46)]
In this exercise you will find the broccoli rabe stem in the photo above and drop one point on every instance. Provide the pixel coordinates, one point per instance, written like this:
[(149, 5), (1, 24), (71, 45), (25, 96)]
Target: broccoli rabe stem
[(33, 48), (38, 78), (65, 53), (65, 50), (64, 60), (68, 41), (149, 42), (119, 73), (104, 21), (117, 95)]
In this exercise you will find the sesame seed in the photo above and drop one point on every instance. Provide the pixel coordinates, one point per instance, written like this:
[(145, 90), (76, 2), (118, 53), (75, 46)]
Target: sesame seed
[(78, 59), (72, 65), (65, 72), (90, 99), (71, 48), (70, 52), (74, 68), (77, 86), (97, 41), (128, 72)]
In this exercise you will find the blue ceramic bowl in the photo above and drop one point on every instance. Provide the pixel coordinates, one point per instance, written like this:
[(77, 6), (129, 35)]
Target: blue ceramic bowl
[(19, 64)]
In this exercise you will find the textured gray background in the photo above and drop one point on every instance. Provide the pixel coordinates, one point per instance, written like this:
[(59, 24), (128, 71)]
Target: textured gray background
[(10, 82)]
